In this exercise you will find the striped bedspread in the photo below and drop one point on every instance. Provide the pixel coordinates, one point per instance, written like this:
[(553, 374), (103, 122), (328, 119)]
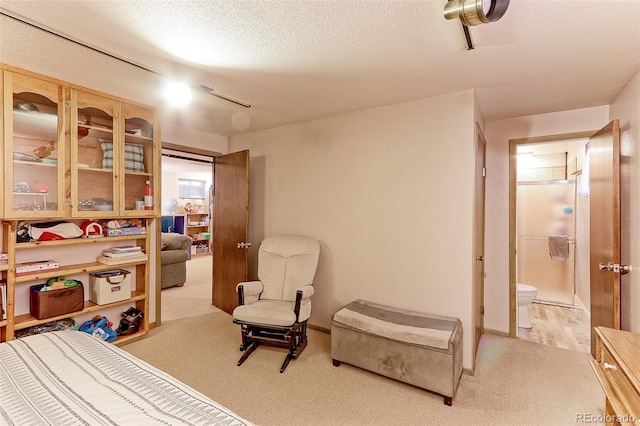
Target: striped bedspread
[(71, 378)]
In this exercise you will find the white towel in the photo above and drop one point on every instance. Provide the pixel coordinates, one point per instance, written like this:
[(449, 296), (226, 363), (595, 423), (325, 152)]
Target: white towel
[(558, 248)]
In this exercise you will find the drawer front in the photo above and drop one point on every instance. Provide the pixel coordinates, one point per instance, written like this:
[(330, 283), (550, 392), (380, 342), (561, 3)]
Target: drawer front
[(627, 395)]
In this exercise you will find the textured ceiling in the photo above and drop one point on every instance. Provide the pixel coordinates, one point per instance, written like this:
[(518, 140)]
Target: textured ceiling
[(299, 60)]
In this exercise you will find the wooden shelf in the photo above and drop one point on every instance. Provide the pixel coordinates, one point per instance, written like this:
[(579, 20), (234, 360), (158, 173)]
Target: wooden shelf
[(94, 170), (28, 320), (121, 340), (75, 269), (95, 126), (33, 164), (141, 174), (137, 138), (31, 193), (81, 240)]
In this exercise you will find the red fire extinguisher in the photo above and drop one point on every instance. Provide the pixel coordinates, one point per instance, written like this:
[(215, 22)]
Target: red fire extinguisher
[(148, 196)]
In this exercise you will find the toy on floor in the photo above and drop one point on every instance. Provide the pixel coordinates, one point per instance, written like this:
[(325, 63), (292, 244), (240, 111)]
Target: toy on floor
[(100, 328)]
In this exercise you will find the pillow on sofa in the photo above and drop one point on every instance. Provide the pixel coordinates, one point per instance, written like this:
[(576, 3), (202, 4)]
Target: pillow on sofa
[(164, 244), (133, 156)]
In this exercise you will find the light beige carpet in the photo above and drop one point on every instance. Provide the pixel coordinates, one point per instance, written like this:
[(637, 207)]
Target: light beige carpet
[(516, 382), (194, 298)]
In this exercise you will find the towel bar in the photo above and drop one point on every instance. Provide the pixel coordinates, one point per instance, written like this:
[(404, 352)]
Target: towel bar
[(541, 238)]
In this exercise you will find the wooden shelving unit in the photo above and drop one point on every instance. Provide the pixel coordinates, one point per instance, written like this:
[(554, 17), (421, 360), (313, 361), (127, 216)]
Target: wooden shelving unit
[(197, 224), (140, 288), (73, 154)]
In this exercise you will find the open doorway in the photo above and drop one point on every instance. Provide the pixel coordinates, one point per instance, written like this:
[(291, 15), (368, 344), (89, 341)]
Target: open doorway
[(550, 235), (187, 179)]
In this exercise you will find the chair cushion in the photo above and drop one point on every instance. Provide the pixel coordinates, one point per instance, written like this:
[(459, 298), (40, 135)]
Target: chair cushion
[(269, 312), (286, 263)]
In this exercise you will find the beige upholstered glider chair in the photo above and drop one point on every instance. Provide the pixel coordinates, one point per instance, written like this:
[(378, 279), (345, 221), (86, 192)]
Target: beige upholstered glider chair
[(274, 310)]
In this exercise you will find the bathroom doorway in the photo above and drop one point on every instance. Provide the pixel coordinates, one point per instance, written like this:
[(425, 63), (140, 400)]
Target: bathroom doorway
[(549, 244)]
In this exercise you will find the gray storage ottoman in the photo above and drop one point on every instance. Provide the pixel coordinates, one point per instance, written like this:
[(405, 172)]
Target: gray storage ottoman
[(420, 349)]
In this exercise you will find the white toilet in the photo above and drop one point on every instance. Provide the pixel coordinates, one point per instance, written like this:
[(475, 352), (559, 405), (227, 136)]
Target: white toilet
[(526, 294)]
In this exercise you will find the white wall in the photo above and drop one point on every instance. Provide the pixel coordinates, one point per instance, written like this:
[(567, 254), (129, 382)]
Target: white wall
[(389, 194), (498, 133), (626, 107), (193, 138)]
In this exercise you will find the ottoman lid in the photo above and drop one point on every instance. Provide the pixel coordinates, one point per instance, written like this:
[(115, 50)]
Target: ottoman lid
[(435, 331)]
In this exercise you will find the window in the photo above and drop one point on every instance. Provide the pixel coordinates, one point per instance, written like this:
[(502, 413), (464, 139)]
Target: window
[(191, 189)]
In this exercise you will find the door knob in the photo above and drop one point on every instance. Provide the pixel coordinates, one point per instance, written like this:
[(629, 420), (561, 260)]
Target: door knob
[(620, 269), (243, 245)]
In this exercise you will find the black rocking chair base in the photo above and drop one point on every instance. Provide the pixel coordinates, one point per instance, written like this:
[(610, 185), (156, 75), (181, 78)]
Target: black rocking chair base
[(247, 351), (293, 338)]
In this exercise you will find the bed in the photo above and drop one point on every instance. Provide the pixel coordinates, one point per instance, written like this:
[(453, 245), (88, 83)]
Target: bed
[(69, 377)]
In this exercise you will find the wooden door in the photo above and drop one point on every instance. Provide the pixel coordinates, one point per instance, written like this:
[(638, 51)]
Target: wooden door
[(230, 227), (479, 222), (604, 234)]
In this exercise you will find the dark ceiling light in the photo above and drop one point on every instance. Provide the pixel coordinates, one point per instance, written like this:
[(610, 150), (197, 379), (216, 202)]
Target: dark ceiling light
[(475, 12)]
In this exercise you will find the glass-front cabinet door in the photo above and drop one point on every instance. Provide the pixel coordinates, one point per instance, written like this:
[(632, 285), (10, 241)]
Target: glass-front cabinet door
[(34, 147), (140, 162), (95, 137)]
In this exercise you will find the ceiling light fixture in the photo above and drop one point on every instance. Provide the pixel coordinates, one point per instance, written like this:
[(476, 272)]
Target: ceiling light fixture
[(178, 93), (475, 12)]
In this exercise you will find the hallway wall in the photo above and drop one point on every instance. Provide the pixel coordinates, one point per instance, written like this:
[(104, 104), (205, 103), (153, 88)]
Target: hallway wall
[(626, 107)]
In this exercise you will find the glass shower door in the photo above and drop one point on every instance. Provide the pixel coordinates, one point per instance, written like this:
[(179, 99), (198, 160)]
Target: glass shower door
[(546, 209)]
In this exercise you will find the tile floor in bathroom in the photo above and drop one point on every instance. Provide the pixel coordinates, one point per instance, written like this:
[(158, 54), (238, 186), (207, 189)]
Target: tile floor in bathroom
[(562, 327)]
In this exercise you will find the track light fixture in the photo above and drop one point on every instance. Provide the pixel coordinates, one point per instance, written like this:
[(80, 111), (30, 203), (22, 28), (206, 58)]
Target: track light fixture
[(181, 92), (475, 12)]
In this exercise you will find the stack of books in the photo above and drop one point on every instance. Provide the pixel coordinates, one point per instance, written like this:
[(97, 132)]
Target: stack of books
[(36, 267), (124, 254)]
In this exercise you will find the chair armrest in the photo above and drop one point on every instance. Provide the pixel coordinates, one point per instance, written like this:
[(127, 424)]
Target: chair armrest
[(303, 296), (307, 291), (251, 288), (249, 292)]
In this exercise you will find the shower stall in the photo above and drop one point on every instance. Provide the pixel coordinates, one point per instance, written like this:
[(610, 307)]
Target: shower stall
[(545, 243)]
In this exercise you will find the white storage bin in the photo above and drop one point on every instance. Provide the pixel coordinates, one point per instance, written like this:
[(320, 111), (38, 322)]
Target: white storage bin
[(109, 286)]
